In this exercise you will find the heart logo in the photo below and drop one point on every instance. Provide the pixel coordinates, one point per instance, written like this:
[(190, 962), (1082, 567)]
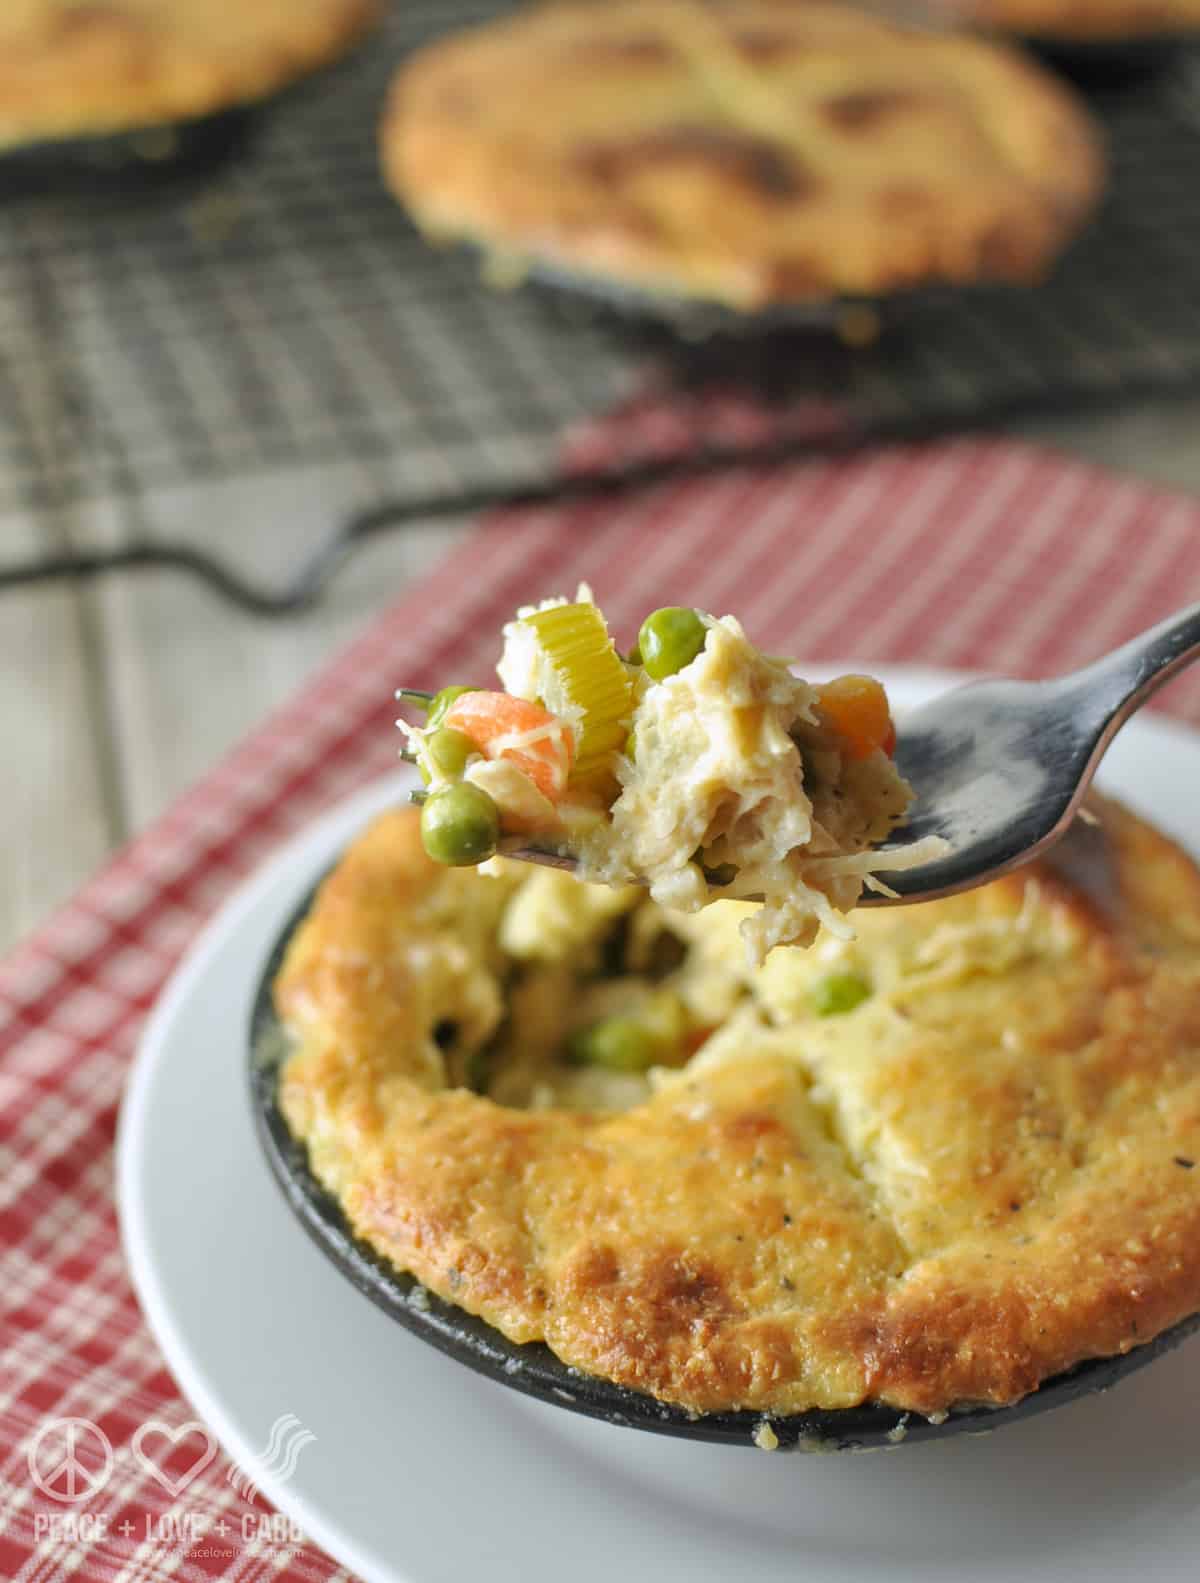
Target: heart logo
[(177, 1483)]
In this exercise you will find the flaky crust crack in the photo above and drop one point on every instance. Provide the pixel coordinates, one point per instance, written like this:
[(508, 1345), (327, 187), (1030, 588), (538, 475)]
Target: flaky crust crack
[(81, 68), (1001, 1180), (746, 152)]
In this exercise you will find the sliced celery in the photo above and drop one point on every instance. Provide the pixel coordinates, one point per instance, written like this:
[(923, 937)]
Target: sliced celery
[(587, 682)]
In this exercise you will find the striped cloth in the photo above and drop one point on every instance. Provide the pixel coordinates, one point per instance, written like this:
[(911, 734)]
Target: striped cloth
[(977, 554)]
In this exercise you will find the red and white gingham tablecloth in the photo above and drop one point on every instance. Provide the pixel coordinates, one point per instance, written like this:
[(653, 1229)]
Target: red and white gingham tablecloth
[(980, 554)]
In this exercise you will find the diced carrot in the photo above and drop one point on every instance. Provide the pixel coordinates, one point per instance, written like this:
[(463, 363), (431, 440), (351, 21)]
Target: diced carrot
[(536, 742), (856, 707)]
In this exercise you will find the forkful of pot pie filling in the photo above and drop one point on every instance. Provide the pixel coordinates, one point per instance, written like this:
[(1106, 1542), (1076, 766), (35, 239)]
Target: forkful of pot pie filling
[(695, 765)]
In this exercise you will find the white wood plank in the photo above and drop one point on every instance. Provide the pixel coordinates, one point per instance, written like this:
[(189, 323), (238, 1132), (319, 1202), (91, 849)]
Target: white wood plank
[(55, 826)]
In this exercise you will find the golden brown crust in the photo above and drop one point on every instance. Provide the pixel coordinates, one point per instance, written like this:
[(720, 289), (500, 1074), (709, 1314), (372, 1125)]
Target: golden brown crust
[(71, 68), (998, 1180), (746, 152)]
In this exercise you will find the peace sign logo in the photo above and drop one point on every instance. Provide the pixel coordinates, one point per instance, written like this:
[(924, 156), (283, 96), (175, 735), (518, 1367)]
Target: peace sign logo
[(70, 1459)]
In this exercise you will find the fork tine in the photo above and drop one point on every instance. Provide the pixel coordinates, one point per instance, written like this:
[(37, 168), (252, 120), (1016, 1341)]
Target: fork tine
[(532, 854)]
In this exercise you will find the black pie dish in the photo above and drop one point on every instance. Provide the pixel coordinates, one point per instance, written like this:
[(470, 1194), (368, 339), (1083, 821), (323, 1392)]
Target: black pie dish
[(534, 1370), (1102, 65), (853, 321), (151, 158), (139, 159)]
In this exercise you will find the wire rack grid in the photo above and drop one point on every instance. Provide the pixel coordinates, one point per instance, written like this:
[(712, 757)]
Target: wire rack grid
[(283, 312)]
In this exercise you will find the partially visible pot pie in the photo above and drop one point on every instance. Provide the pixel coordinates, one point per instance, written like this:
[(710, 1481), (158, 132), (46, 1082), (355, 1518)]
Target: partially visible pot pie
[(933, 1165), (84, 68), (745, 152)]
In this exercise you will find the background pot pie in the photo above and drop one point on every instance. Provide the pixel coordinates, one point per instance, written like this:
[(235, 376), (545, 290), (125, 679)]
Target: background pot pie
[(747, 152), (82, 68), (934, 1165)]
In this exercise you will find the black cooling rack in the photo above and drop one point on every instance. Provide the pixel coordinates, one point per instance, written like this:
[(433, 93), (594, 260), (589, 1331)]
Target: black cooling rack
[(276, 309)]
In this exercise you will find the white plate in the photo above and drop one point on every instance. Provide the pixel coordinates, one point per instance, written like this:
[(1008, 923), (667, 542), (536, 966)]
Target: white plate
[(422, 1471)]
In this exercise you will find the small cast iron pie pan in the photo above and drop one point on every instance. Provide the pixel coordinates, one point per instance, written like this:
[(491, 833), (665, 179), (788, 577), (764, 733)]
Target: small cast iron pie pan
[(534, 1369), (140, 158), (1099, 65), (854, 321)]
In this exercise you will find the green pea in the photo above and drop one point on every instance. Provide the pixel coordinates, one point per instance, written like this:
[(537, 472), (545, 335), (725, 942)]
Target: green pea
[(442, 701), (618, 1043), (448, 751), (670, 638), (838, 993), (460, 825)]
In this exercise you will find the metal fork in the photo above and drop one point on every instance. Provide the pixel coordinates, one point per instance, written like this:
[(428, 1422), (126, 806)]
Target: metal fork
[(1000, 768)]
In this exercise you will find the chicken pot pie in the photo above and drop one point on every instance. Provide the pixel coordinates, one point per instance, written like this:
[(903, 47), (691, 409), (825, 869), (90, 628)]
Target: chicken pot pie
[(743, 152), (698, 766), (931, 1166), (84, 68)]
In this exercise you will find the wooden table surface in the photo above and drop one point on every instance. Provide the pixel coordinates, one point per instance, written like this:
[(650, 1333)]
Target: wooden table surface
[(116, 695)]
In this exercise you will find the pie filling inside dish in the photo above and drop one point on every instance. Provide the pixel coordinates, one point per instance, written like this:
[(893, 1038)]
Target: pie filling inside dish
[(697, 765), (930, 1165)]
